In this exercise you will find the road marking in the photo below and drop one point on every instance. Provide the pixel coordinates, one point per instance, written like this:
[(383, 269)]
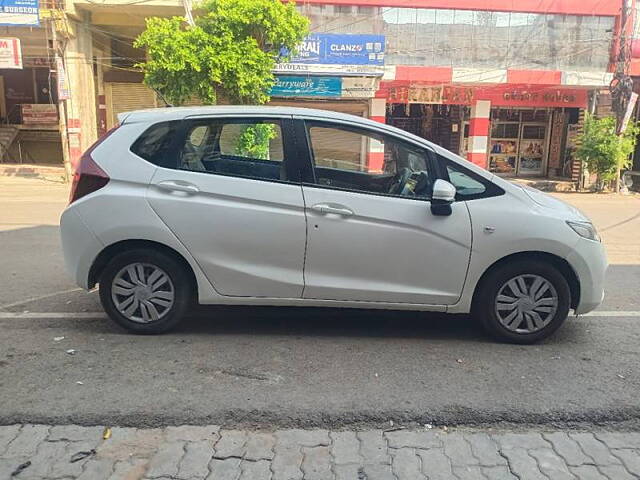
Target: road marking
[(101, 315), (40, 297), (613, 313), (35, 315)]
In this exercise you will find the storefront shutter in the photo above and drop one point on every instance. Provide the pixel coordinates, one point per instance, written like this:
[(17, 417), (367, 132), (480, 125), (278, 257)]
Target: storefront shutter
[(124, 97)]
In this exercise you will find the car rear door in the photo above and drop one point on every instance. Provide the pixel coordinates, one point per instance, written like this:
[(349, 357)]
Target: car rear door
[(367, 242), (231, 197)]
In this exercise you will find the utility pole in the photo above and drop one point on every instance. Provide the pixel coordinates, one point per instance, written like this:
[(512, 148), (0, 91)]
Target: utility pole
[(62, 112), (621, 86)]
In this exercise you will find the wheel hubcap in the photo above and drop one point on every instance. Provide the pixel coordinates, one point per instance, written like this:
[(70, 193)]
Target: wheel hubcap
[(526, 303), (142, 292)]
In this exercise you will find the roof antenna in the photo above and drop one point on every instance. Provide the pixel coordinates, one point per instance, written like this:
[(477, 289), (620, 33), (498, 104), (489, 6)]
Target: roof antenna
[(166, 104)]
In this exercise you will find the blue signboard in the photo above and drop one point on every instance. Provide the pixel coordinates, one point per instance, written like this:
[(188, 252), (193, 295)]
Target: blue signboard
[(19, 12), (290, 86), (341, 49)]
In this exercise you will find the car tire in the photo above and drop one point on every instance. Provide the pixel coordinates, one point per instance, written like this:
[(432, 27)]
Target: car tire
[(146, 291), (511, 296)]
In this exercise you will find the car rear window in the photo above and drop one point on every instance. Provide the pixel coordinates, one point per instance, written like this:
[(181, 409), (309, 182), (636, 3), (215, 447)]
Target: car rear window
[(154, 144)]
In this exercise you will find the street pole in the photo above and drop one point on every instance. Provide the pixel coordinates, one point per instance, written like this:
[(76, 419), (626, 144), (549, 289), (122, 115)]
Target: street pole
[(621, 86), (62, 114)]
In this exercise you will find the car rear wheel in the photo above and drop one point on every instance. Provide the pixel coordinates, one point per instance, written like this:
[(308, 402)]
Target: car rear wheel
[(145, 291), (523, 302)]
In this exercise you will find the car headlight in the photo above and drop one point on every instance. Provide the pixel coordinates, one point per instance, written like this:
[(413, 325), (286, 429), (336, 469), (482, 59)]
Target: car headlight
[(585, 230)]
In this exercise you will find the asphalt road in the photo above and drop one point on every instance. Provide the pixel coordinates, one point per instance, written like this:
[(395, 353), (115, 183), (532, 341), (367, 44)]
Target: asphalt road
[(305, 367)]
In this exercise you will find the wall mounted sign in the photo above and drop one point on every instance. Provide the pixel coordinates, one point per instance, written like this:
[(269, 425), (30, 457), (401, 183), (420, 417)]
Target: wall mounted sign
[(10, 53), (337, 54), (499, 95), (290, 86), (19, 12), (39, 114)]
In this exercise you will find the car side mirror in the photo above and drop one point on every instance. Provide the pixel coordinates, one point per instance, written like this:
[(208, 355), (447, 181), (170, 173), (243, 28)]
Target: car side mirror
[(442, 197)]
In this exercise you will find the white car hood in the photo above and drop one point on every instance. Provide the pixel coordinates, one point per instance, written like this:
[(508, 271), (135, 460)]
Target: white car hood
[(562, 209)]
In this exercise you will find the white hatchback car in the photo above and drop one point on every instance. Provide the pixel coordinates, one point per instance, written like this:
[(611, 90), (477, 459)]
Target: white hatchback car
[(290, 206)]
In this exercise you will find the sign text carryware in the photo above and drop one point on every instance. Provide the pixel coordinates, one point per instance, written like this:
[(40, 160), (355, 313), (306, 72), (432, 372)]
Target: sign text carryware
[(337, 54), (19, 12)]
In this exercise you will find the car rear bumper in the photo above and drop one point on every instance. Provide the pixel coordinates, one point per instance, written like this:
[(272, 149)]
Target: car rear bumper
[(589, 261), (79, 245)]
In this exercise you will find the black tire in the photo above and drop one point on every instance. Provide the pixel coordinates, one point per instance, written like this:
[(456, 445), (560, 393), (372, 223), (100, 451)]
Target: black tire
[(174, 269), (484, 307)]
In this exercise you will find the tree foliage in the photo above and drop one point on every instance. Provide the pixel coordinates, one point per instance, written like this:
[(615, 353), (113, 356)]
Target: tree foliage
[(230, 52), (604, 152)]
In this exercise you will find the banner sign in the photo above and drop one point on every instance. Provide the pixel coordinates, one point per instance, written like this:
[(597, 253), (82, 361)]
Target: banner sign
[(19, 12), (63, 84), (39, 114), (627, 114), (287, 86), (337, 54), (340, 49), (10, 53)]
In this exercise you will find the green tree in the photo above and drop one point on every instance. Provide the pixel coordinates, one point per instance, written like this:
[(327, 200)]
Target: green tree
[(604, 152), (230, 52)]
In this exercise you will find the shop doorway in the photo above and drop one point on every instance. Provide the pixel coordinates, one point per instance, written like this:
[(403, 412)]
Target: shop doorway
[(439, 124), (518, 143)]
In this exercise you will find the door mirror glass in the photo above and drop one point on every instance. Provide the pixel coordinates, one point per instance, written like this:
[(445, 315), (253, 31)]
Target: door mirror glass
[(443, 192)]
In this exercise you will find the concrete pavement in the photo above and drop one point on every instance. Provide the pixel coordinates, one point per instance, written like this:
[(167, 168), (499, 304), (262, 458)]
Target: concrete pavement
[(209, 452)]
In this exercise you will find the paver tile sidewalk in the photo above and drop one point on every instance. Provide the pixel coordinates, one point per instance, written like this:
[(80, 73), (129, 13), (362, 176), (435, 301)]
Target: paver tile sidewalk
[(209, 452)]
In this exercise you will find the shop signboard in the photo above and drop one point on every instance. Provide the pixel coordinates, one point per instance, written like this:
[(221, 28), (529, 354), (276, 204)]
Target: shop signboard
[(359, 87), (39, 114), (10, 53), (499, 95), (291, 86), (338, 54), (19, 12)]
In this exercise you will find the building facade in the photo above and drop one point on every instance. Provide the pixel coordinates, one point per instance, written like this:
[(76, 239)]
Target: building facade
[(504, 84)]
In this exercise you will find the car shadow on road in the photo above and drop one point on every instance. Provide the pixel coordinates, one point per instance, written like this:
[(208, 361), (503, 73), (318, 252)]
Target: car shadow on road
[(333, 322)]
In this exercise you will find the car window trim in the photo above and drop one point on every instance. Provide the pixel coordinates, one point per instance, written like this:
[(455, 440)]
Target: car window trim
[(288, 143), (492, 190), (306, 156)]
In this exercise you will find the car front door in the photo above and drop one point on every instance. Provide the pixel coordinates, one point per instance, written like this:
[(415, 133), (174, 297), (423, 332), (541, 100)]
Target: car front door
[(230, 200), (371, 235)]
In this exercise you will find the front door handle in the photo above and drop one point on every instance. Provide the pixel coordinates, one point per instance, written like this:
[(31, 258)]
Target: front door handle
[(333, 208), (177, 186)]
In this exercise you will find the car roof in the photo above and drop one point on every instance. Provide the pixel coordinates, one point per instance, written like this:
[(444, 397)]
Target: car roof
[(179, 113)]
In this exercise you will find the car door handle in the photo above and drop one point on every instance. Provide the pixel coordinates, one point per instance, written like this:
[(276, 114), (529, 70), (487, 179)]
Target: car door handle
[(176, 186), (333, 208)]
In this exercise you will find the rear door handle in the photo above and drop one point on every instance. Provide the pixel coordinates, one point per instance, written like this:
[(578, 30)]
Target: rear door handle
[(177, 186), (333, 208)]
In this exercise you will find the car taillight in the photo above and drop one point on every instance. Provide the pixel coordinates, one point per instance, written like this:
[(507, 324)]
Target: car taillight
[(89, 177)]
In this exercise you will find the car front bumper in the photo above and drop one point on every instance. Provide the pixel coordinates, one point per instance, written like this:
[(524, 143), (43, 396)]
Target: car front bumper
[(589, 261)]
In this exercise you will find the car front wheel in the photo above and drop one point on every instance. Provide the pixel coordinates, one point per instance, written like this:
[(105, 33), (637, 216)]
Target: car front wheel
[(145, 291), (523, 302)]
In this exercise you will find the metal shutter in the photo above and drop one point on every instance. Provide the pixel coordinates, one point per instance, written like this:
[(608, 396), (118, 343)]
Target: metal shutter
[(124, 97)]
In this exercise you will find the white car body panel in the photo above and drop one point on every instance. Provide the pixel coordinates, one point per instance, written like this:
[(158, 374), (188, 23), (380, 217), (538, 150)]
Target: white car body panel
[(390, 250), (259, 259), (248, 236)]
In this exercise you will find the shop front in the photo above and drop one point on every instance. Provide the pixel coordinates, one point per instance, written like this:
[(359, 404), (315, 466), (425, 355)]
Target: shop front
[(524, 130)]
